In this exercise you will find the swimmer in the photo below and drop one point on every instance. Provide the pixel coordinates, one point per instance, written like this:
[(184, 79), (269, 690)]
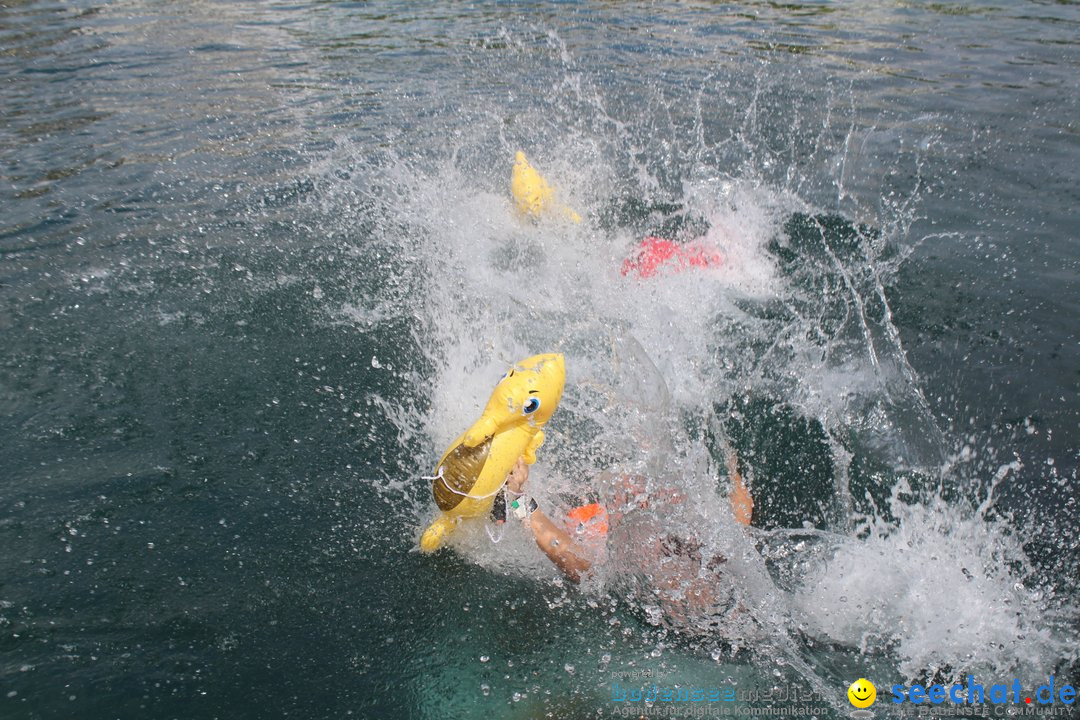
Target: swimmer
[(574, 560)]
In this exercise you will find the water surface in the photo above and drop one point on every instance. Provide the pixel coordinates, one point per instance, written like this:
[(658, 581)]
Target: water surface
[(258, 266)]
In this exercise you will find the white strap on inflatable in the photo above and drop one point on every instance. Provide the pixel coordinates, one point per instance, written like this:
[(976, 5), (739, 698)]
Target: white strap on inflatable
[(439, 476)]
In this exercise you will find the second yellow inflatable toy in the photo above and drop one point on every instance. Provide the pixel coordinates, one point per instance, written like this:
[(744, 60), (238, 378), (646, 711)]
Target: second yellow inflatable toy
[(533, 196), (473, 470)]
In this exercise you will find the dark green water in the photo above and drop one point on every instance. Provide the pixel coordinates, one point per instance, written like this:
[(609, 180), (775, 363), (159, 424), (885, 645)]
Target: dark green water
[(258, 266)]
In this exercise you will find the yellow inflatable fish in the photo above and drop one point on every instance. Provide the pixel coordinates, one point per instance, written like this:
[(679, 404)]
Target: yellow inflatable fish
[(474, 468), (532, 194)]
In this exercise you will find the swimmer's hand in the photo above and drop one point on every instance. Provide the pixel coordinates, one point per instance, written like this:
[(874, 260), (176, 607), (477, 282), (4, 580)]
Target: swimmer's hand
[(519, 503), (553, 540), (519, 475)]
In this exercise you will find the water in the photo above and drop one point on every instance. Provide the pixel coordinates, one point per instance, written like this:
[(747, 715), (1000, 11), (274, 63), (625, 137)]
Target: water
[(258, 265)]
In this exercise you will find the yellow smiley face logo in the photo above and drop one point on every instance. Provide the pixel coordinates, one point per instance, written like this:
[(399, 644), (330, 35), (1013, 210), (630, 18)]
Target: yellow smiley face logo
[(862, 693)]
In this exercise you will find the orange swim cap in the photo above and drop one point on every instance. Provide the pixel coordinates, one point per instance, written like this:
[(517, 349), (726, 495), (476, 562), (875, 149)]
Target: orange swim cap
[(589, 520)]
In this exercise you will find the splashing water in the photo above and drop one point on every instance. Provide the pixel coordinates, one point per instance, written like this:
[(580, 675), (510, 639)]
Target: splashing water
[(787, 353), (882, 593), (660, 369)]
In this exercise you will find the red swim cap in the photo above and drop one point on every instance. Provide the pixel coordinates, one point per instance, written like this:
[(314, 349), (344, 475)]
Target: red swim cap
[(654, 254)]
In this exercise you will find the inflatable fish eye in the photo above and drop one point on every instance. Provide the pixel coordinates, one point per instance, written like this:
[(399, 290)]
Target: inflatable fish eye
[(531, 405)]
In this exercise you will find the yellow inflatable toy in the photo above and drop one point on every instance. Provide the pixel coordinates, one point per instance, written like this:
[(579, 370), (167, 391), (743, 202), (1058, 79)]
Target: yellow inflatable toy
[(532, 194), (474, 468)]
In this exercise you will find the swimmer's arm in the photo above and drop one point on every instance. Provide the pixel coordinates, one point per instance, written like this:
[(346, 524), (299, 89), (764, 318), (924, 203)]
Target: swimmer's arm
[(558, 546), (553, 540), (742, 502)]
